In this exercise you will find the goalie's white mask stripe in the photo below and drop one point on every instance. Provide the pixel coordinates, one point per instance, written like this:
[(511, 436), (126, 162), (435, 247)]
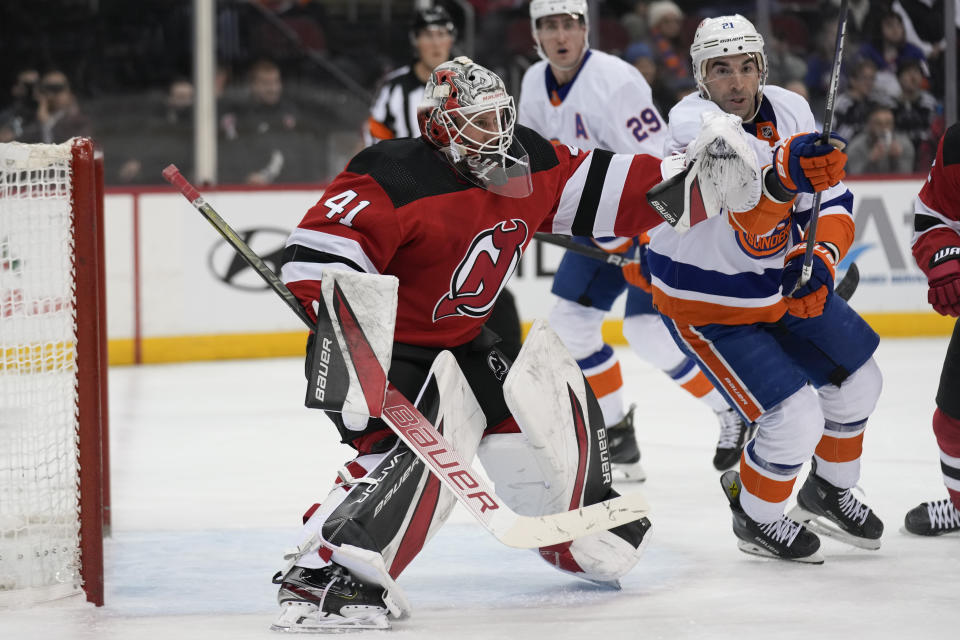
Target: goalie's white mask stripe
[(333, 244), (610, 196)]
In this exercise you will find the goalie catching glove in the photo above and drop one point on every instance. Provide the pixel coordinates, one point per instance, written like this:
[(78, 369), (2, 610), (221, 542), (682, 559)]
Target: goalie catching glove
[(720, 171), (808, 301)]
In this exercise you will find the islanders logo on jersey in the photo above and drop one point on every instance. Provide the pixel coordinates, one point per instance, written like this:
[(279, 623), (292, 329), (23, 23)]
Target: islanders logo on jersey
[(765, 246), (482, 273)]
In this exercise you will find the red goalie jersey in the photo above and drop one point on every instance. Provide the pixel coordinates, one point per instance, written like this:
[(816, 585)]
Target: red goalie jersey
[(936, 238), (399, 208)]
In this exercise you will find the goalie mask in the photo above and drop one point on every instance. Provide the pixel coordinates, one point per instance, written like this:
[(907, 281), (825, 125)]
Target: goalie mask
[(468, 115), (727, 36), (574, 8)]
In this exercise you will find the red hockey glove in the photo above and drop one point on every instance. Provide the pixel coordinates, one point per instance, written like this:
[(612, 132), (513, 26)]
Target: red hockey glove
[(806, 165), (808, 300), (944, 279)]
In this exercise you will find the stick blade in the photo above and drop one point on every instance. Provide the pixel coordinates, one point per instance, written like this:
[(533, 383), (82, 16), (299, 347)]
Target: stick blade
[(848, 285)]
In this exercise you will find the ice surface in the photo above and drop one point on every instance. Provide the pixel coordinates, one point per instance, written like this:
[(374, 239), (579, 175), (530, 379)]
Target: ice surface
[(213, 463)]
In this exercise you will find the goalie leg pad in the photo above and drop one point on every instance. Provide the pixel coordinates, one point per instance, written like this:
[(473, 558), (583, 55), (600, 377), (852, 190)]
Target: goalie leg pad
[(389, 504), (560, 460), (516, 468)]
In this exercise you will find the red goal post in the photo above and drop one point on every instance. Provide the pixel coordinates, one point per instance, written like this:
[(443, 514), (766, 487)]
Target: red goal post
[(54, 481)]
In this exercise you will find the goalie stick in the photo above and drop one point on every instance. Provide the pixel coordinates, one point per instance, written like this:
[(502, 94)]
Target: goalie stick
[(596, 253), (469, 488), (845, 288)]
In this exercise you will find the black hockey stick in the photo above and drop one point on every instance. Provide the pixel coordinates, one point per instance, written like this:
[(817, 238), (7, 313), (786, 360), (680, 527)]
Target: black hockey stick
[(848, 285), (433, 449), (807, 269), (596, 253)]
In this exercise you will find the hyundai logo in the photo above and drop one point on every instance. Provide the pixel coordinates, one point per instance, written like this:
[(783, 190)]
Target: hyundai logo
[(228, 267)]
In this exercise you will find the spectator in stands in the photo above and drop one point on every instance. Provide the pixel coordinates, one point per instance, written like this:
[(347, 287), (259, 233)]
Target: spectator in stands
[(916, 112), (166, 138), (263, 139), (394, 111), (665, 20), (859, 98), (783, 66), (640, 56), (635, 23), (22, 110), (878, 148), (820, 64), (887, 49), (58, 116)]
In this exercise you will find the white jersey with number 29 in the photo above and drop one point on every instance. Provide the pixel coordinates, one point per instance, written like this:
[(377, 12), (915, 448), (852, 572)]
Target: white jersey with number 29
[(607, 105)]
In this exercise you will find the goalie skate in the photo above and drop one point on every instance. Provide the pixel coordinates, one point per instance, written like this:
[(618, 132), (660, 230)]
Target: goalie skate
[(783, 539), (836, 513), (329, 600)]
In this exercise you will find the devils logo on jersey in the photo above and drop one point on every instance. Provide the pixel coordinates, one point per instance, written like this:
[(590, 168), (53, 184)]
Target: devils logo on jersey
[(490, 261)]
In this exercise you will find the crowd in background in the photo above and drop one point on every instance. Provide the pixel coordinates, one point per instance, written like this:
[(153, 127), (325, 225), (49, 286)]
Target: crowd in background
[(296, 78)]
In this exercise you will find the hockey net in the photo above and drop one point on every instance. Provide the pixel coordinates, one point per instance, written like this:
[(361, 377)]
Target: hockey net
[(52, 373)]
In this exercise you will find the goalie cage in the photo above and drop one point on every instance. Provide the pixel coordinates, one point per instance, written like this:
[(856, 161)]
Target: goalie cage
[(53, 392)]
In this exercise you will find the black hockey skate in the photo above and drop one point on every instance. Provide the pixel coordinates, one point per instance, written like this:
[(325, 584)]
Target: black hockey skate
[(836, 513), (734, 434), (329, 599), (784, 539), (933, 518), (624, 451)]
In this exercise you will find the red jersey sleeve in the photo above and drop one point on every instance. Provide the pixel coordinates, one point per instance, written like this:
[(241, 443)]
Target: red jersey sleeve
[(936, 219), (603, 194)]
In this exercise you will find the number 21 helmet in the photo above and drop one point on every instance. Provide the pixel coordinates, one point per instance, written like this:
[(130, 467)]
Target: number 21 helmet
[(468, 115), (726, 36)]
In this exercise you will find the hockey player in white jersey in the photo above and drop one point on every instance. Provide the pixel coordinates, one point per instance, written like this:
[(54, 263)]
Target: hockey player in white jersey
[(587, 98), (797, 362)]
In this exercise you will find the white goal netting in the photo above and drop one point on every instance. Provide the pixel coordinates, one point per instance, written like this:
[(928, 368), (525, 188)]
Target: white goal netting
[(39, 489)]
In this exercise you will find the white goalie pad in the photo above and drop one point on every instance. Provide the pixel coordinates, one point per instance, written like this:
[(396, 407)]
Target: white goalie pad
[(728, 163), (557, 423), (448, 402), (367, 304)]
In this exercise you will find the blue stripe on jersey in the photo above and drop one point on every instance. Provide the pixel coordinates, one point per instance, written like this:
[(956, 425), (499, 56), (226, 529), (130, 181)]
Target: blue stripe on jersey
[(683, 369), (772, 467), (844, 200), (690, 278), (553, 86), (597, 358)]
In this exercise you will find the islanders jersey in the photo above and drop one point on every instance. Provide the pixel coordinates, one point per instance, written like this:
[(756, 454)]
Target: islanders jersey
[(716, 274), (607, 105)]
